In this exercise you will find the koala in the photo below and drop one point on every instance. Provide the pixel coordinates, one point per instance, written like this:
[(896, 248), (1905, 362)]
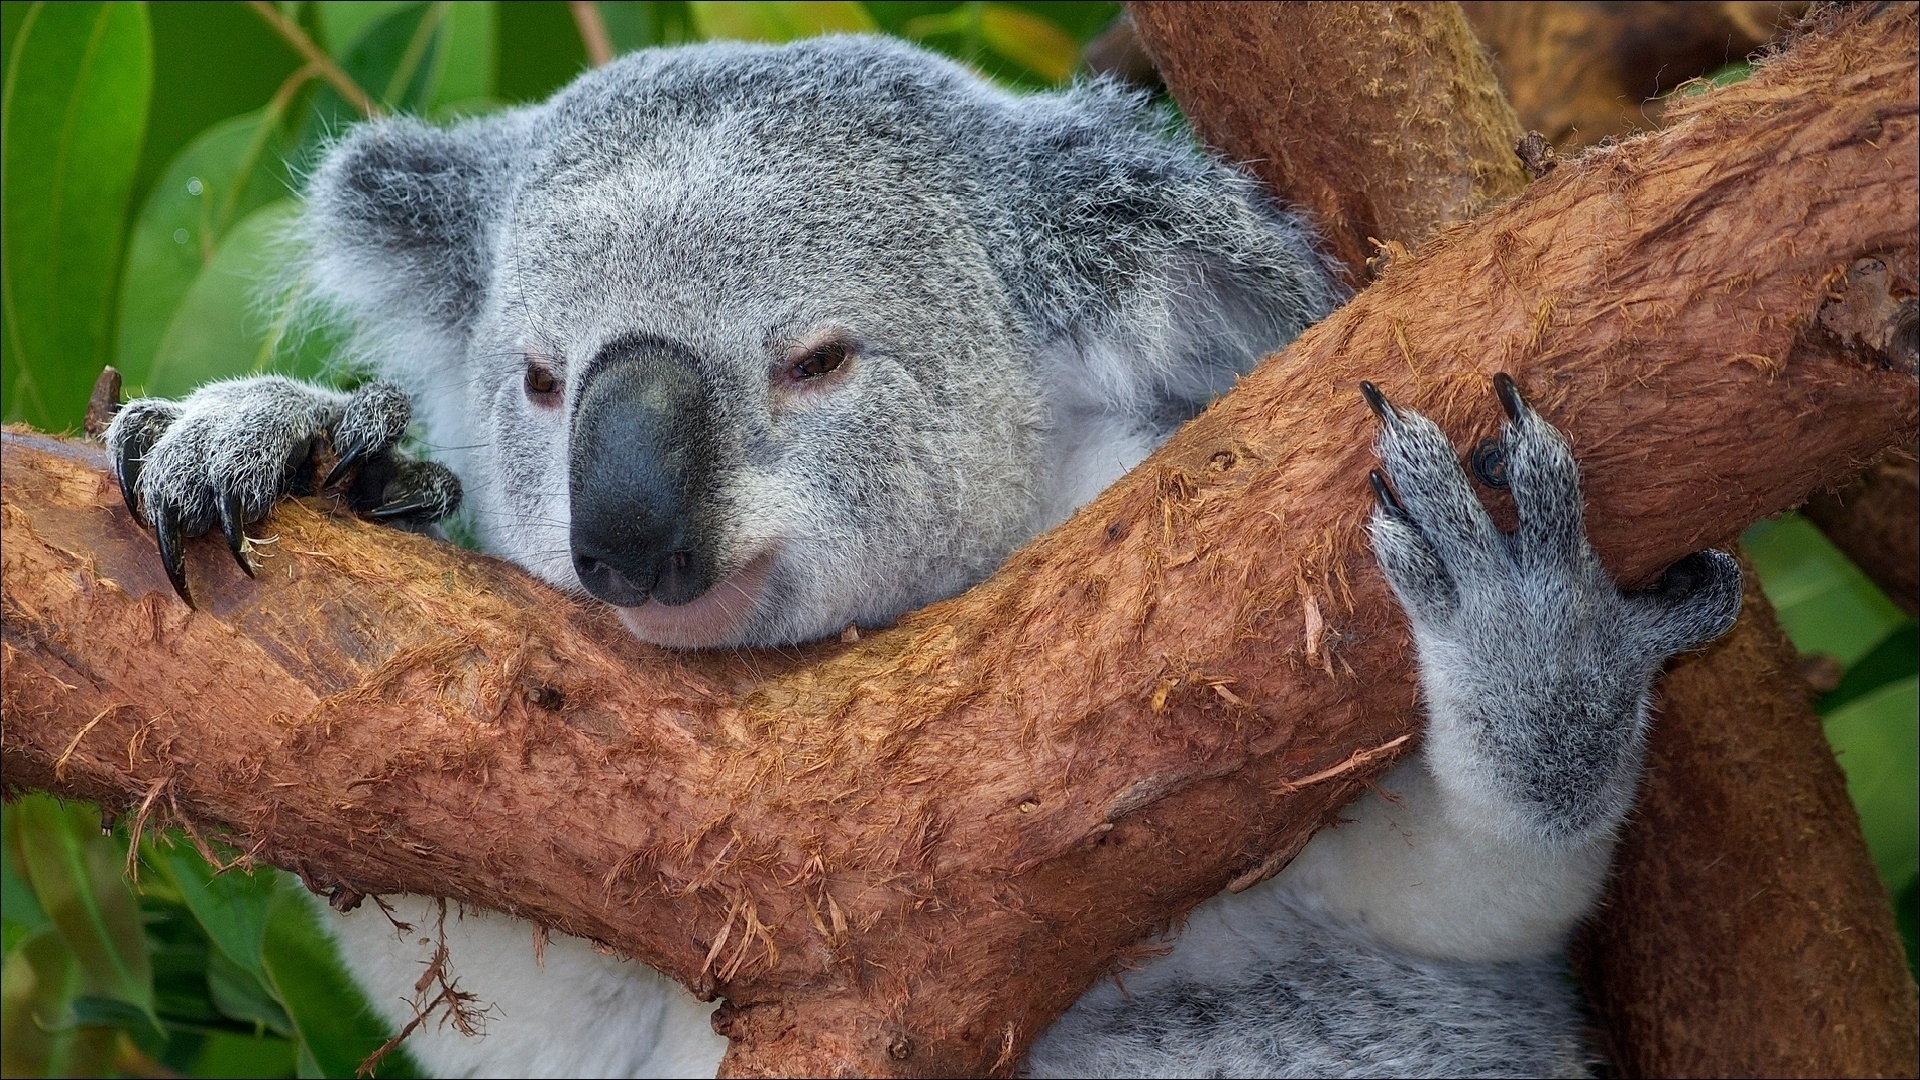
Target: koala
[(755, 342)]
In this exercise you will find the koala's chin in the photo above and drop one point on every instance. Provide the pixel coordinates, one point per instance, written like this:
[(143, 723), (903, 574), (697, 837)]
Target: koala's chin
[(726, 615)]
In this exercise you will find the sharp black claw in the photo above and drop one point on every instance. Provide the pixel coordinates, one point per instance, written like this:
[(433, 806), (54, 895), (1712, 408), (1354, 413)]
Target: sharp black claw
[(127, 471), (1388, 501), (1510, 398), (173, 556), (230, 525), (397, 510), (340, 468), (1377, 401)]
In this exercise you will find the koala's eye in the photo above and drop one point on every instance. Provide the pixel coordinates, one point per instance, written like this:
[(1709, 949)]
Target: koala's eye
[(822, 358), (543, 386)]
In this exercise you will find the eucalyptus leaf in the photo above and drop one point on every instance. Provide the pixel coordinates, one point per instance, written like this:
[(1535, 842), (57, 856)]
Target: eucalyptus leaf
[(225, 1055), (72, 115), (1878, 744), (232, 908), (337, 1029), (1030, 41), (468, 58), (775, 20), (229, 171), (1826, 605), (37, 1035), (76, 873), (238, 993), (344, 22), (234, 319)]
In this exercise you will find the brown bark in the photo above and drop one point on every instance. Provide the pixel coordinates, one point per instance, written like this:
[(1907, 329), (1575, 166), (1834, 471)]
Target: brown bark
[(1404, 82), (1793, 966), (948, 830), (1875, 520), (1580, 72)]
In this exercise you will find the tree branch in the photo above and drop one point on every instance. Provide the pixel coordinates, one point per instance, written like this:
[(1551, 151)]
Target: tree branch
[(909, 854)]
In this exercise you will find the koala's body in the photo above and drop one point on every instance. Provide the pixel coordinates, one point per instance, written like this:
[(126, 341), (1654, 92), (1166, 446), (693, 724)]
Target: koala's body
[(756, 342)]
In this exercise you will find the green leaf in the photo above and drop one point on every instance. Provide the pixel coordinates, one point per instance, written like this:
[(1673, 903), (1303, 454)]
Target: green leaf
[(232, 169), (1030, 41), (778, 21), (1826, 605), (231, 322), (337, 1029), (225, 1055), (20, 911), (1896, 657), (37, 1033), (634, 24), (71, 119), (237, 993), (344, 22), (468, 58), (1878, 743), (77, 875), (210, 62)]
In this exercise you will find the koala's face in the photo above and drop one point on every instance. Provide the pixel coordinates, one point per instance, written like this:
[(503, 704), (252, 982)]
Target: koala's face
[(754, 341), (745, 394)]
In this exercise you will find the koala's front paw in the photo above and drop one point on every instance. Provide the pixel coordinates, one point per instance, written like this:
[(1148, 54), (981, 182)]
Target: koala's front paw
[(1535, 664), (223, 455), (1448, 563)]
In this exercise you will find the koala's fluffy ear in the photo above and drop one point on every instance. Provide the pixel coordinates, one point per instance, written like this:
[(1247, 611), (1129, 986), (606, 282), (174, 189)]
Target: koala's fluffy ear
[(1166, 273), (398, 217)]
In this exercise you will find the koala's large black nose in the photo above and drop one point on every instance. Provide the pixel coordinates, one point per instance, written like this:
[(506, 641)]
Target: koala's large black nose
[(640, 474)]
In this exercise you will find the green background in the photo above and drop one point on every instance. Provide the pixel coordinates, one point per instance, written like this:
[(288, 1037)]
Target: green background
[(150, 155)]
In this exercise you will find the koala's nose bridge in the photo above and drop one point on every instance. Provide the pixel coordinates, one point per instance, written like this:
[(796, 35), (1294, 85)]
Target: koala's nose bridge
[(639, 471)]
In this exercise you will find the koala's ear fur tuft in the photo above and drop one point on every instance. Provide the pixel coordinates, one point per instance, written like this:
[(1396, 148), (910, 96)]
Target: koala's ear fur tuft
[(1154, 263), (398, 214)]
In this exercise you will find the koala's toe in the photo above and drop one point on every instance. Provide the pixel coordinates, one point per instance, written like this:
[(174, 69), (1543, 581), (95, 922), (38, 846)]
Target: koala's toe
[(135, 428), (1545, 480), (1434, 492), (1696, 600), (374, 419), (1412, 570), (404, 491)]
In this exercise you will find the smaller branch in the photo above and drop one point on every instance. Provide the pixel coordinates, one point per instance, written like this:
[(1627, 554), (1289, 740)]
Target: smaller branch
[(1873, 521), (291, 33), (593, 31)]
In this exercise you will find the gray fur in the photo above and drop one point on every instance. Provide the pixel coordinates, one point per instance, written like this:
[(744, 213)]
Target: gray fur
[(1315, 998), (622, 298)]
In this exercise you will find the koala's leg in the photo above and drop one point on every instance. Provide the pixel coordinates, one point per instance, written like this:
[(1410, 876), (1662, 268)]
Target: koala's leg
[(571, 1011), (1536, 672), (226, 452)]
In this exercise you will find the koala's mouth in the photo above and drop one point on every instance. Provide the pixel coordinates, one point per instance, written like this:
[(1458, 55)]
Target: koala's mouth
[(711, 620)]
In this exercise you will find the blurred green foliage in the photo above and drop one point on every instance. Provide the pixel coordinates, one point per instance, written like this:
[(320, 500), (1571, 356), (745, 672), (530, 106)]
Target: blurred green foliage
[(148, 157)]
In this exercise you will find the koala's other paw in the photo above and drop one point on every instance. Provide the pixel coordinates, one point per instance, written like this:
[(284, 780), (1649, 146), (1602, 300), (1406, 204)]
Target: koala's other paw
[(1540, 591), (1446, 560), (1535, 665), (225, 453)]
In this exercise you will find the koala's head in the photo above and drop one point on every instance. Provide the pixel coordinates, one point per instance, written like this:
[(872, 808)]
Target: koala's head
[(739, 339)]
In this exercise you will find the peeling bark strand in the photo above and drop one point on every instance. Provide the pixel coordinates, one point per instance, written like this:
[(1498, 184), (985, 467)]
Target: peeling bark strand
[(908, 854)]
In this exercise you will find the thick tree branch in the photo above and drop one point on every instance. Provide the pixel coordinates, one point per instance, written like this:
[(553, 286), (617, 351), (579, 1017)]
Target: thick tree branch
[(1431, 135), (909, 854)]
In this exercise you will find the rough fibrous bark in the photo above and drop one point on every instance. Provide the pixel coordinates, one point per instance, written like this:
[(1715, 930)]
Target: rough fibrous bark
[(1418, 95), (1793, 966), (1579, 72), (908, 854)]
